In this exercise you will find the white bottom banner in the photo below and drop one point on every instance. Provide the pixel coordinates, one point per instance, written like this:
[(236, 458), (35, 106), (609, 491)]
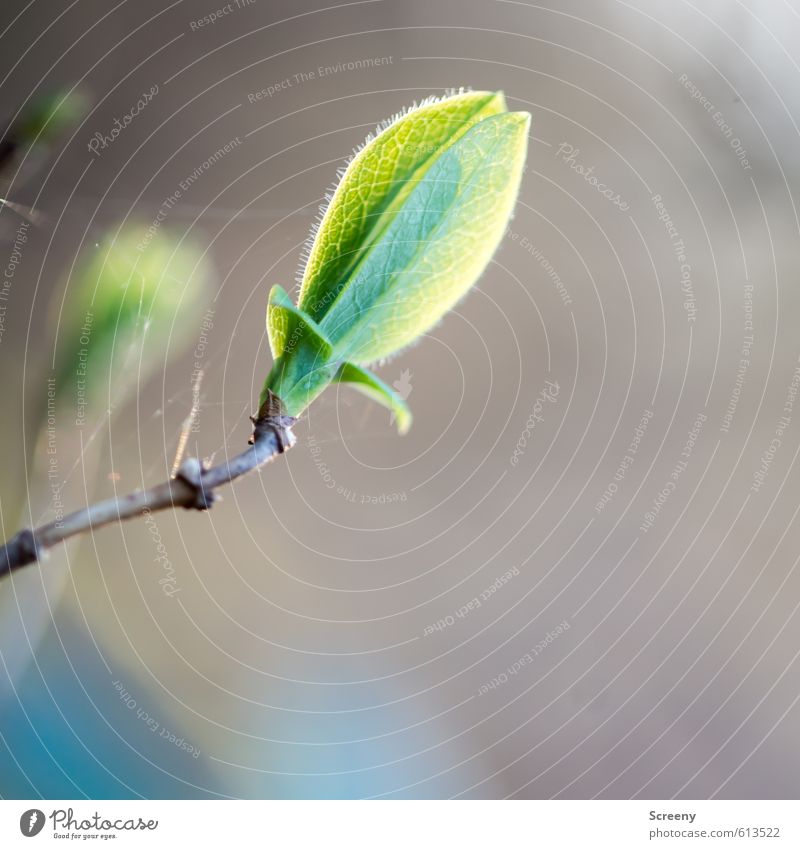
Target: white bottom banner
[(404, 824)]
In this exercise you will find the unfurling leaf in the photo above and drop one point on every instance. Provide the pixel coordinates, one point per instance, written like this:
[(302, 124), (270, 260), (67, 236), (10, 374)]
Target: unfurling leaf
[(373, 387), (414, 221)]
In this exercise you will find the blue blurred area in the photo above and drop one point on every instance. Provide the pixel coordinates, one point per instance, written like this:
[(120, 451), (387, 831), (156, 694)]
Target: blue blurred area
[(66, 733)]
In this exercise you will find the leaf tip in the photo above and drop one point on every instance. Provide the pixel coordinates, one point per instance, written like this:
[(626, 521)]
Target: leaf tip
[(523, 119), (403, 420)]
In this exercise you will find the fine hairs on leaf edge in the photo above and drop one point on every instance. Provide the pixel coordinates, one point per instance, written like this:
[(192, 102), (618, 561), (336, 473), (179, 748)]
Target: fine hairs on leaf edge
[(382, 357), (380, 128)]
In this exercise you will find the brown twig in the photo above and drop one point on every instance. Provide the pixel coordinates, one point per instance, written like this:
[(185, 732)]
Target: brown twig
[(192, 488)]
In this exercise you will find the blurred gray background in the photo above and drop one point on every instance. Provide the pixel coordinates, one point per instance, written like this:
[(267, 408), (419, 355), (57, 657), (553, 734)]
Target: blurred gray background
[(316, 634)]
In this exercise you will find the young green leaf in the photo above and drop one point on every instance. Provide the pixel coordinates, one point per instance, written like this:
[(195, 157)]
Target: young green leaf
[(376, 183), (435, 247), (373, 387), (409, 230), (304, 362)]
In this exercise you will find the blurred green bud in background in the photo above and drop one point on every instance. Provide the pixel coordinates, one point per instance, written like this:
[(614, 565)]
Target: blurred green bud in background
[(135, 298)]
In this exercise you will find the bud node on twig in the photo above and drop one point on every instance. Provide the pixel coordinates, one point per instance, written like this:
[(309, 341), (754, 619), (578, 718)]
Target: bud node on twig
[(191, 473), (22, 548), (272, 417)]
